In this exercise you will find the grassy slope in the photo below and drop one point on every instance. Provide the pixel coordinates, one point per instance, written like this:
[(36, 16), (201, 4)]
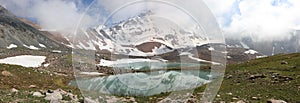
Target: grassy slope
[(24, 77), (237, 81), (244, 88)]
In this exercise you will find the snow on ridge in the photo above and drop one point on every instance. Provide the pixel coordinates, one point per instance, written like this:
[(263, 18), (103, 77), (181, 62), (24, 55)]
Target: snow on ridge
[(31, 47), (24, 60), (42, 45), (250, 52), (12, 46), (197, 59)]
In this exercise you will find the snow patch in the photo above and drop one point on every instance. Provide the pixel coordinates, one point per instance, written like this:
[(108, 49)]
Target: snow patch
[(197, 59), (12, 46), (24, 60), (42, 45), (56, 51), (211, 48), (46, 65), (261, 56), (31, 47)]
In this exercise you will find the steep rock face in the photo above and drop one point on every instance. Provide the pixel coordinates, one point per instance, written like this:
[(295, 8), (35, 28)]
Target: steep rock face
[(152, 47), (17, 33)]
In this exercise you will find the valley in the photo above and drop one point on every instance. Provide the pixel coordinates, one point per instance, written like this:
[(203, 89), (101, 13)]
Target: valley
[(144, 58)]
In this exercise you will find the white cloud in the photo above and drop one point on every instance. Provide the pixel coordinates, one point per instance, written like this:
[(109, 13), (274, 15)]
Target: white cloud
[(61, 15), (259, 19), (220, 8)]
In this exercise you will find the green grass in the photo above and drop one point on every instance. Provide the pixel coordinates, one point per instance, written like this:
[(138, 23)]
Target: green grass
[(19, 97), (243, 88)]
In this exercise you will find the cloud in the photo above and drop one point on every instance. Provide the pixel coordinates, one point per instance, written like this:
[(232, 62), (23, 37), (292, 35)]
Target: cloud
[(61, 15), (259, 19)]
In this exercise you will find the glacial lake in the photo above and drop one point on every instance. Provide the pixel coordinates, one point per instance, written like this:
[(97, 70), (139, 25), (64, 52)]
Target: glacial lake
[(145, 84)]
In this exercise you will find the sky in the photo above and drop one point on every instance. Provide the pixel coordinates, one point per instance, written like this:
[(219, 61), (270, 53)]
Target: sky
[(258, 19)]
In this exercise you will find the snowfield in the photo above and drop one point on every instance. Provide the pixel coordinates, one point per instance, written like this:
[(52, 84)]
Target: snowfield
[(24, 60)]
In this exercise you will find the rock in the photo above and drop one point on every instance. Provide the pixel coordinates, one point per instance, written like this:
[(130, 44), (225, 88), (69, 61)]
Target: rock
[(55, 96), (88, 100), (13, 90), (166, 100), (37, 94), (257, 76), (72, 96), (132, 99), (240, 101), (61, 91), (229, 93), (255, 98), (112, 100), (234, 98), (6, 73), (32, 86), (284, 62), (252, 77), (49, 91), (192, 100), (229, 76), (275, 101)]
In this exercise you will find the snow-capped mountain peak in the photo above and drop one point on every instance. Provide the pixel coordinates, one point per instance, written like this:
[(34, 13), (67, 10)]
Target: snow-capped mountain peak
[(126, 37)]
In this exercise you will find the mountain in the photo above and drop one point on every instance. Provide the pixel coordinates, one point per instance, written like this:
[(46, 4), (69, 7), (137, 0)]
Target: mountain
[(146, 36), (15, 34), (142, 35)]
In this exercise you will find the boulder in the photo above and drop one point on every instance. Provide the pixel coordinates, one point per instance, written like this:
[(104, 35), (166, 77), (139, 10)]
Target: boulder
[(13, 90), (55, 96), (6, 73), (241, 101), (275, 101), (37, 94), (32, 86), (284, 62)]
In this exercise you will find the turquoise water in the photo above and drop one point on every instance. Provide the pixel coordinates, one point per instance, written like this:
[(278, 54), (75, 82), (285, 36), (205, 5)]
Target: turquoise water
[(154, 65), (143, 84)]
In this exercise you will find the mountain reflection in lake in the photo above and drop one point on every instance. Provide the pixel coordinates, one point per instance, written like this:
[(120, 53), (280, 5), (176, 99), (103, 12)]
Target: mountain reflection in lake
[(144, 84)]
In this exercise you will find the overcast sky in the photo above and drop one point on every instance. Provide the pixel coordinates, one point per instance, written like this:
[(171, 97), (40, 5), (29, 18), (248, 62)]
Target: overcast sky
[(260, 19)]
